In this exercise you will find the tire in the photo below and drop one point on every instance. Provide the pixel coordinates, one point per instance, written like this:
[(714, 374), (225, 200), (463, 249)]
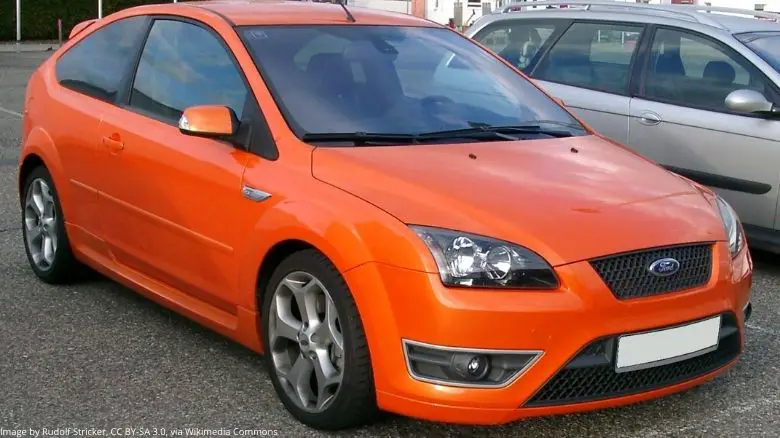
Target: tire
[(354, 400), (55, 265)]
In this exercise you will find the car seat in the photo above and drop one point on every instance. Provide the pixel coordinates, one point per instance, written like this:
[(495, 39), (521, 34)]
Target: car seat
[(717, 82), (523, 44), (331, 76), (719, 72)]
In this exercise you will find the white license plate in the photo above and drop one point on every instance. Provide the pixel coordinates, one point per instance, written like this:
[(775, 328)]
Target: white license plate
[(651, 349)]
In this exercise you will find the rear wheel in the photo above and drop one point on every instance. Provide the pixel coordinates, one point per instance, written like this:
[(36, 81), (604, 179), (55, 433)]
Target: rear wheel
[(315, 347), (43, 229)]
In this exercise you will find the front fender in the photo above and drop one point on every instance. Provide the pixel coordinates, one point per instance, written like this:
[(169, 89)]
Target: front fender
[(347, 230), (39, 143)]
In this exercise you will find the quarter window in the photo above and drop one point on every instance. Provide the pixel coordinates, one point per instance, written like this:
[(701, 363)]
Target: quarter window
[(693, 71), (184, 65), (96, 65), (516, 41), (592, 55)]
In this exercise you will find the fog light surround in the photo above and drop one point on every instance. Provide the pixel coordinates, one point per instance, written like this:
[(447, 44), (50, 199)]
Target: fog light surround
[(466, 367)]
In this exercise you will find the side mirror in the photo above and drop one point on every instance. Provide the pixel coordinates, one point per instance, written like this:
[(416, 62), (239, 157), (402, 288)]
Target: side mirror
[(211, 121), (750, 101)]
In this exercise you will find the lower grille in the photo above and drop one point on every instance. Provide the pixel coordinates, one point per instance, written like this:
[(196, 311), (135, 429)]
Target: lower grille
[(591, 374), (628, 276)]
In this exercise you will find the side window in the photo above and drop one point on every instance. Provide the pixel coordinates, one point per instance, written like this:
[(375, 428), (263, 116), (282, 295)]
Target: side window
[(592, 55), (96, 65), (183, 65), (516, 41), (693, 71)]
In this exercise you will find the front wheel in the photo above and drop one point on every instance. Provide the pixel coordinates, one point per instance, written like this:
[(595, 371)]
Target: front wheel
[(315, 347)]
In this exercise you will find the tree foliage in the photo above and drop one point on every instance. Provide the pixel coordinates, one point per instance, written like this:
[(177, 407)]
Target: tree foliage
[(39, 17)]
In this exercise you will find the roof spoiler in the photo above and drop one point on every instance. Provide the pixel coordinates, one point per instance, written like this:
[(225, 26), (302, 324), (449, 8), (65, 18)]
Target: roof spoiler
[(81, 26)]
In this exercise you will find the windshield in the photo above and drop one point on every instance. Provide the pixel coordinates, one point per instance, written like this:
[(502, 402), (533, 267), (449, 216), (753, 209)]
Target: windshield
[(766, 45), (393, 80)]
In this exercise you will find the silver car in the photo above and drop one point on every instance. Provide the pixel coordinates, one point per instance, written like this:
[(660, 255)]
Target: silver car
[(695, 89)]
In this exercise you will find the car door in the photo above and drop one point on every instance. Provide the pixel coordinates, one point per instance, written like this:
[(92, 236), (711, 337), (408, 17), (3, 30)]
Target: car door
[(588, 67), (680, 114), (88, 89), (171, 204)]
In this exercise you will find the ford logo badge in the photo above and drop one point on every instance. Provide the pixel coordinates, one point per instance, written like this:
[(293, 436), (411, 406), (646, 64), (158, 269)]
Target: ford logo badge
[(664, 267)]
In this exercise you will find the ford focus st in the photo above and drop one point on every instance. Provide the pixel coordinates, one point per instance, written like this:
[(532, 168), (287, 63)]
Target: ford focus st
[(397, 219)]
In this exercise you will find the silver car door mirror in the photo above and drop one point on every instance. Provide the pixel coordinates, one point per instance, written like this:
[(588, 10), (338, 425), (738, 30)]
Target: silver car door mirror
[(749, 101)]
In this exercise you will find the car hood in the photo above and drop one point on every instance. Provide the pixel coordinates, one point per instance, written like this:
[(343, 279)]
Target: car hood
[(568, 199)]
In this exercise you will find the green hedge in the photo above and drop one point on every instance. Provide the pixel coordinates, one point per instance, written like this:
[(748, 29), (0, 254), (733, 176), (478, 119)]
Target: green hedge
[(39, 17)]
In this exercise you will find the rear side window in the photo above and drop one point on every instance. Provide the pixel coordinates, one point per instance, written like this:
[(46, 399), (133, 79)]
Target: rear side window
[(184, 65), (96, 65), (592, 55), (516, 41)]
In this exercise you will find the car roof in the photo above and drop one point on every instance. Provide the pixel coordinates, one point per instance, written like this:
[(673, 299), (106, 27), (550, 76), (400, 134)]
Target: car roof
[(728, 20), (257, 12)]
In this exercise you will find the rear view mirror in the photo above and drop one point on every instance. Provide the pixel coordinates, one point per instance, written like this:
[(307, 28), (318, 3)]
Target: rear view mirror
[(208, 121), (750, 101)]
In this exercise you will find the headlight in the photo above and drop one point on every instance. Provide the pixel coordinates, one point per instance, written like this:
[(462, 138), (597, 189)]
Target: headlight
[(476, 261), (734, 232)]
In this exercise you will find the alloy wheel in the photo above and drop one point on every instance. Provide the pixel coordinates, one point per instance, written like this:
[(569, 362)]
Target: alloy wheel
[(306, 341), (40, 222)]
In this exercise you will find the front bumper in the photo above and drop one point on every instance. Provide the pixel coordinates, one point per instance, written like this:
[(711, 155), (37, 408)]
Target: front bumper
[(398, 304)]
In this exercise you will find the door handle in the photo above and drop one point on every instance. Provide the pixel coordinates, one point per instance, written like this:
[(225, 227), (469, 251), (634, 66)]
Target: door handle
[(113, 143), (649, 118)]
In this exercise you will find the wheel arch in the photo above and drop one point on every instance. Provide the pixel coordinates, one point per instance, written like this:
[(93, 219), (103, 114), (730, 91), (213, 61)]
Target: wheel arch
[(348, 231), (278, 253), (39, 150), (30, 163)]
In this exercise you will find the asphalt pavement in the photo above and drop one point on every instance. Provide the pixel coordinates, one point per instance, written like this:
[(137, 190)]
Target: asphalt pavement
[(96, 355)]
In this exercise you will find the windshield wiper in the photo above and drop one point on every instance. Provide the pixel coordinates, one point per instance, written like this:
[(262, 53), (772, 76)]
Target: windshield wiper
[(369, 138), (524, 128), (502, 131), (477, 131), (360, 138)]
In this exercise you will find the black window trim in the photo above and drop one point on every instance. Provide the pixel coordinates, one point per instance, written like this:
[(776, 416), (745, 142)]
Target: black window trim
[(634, 56), (120, 87), (561, 25), (639, 92)]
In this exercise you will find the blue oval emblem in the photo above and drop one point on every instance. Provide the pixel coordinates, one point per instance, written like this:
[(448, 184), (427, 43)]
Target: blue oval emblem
[(664, 267)]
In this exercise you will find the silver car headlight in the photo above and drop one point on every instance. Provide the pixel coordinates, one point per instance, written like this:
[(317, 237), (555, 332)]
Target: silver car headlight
[(733, 227), (469, 260)]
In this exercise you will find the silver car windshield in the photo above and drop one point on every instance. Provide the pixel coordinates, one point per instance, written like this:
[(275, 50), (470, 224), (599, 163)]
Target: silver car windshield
[(765, 44)]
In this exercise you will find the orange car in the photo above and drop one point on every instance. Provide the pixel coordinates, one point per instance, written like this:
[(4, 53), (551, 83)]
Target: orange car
[(399, 220)]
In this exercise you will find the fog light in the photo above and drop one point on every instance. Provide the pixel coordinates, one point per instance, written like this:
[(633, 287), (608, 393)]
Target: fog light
[(465, 367), (471, 366)]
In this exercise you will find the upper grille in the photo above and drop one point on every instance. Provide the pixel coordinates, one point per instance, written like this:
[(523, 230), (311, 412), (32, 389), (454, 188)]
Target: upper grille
[(627, 274), (591, 375)]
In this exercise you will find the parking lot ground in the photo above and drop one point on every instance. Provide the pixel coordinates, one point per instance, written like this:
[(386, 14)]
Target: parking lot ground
[(96, 355)]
